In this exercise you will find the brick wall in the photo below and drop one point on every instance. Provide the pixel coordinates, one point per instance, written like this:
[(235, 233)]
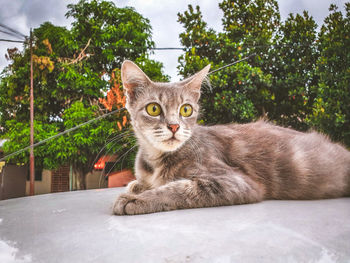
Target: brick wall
[(60, 180)]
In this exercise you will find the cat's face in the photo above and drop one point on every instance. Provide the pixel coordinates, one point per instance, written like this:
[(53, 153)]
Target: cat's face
[(162, 114)]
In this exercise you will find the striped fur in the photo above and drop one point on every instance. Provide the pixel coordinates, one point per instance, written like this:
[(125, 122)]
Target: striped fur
[(222, 164)]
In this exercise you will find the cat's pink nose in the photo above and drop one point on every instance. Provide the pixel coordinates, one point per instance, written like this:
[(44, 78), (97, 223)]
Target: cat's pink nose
[(173, 127)]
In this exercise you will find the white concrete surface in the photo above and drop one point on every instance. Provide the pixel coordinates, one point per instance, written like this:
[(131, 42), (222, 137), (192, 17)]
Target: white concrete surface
[(79, 227)]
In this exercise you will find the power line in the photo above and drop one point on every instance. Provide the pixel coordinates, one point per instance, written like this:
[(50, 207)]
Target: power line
[(233, 63), (10, 34), (11, 40), (280, 45), (185, 48), (13, 30), (103, 116), (166, 48), (59, 134), (16, 33)]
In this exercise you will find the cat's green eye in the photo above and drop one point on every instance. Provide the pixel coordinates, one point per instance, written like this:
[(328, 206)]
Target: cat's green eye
[(153, 109), (186, 110)]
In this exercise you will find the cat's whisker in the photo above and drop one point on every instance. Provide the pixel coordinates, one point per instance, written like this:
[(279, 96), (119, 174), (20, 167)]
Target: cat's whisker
[(158, 135), (103, 172), (117, 137), (106, 145), (183, 136), (132, 149), (110, 157), (113, 133), (121, 134), (187, 132), (120, 158)]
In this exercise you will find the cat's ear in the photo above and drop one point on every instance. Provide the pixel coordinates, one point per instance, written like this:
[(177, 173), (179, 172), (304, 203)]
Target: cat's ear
[(195, 82), (133, 79)]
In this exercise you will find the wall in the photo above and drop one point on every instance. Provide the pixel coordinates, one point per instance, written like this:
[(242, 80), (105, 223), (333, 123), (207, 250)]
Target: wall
[(13, 181), (43, 186), (93, 180), (61, 181)]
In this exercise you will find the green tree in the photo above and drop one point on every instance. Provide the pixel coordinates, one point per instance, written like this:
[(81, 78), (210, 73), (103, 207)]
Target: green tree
[(250, 23), (331, 111), (299, 78), (292, 63), (81, 147), (73, 69), (239, 93), (112, 31)]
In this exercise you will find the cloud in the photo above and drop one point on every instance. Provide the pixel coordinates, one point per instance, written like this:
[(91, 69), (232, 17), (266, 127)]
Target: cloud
[(166, 29), (318, 9), (22, 15)]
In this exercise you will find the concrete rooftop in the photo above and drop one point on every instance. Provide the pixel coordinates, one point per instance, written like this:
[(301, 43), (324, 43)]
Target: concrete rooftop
[(79, 227)]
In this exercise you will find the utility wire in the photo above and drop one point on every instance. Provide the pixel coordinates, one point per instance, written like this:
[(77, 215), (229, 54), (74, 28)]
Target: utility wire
[(185, 48), (166, 48), (13, 30), (16, 33), (59, 134), (237, 45), (11, 40), (102, 116), (10, 34), (233, 63)]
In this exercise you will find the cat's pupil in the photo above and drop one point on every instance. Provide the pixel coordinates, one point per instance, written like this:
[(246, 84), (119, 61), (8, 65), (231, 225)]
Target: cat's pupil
[(185, 109), (154, 108)]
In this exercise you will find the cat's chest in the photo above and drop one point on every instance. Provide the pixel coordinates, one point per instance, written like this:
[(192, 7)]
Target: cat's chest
[(157, 170), (152, 173), (157, 178)]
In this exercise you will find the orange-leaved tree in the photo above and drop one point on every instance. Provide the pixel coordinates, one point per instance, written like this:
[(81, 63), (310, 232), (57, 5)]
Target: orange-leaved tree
[(115, 98)]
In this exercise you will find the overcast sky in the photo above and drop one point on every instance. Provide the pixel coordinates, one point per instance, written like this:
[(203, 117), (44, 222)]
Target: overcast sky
[(25, 14)]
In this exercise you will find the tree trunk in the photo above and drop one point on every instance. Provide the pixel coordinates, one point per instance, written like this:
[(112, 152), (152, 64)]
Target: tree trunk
[(264, 115), (80, 178)]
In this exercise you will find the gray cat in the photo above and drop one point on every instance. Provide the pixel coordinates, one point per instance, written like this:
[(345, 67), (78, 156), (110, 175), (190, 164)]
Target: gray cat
[(184, 165)]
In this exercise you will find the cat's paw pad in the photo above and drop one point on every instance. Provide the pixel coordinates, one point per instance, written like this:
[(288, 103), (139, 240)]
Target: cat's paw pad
[(128, 204)]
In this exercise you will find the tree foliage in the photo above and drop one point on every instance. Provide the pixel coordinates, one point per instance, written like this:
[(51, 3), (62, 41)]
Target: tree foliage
[(240, 92), (113, 31), (299, 78), (292, 63), (74, 68), (331, 106)]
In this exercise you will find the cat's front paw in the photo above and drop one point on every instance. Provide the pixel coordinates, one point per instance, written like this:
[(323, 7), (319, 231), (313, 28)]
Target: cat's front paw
[(129, 204), (134, 187)]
